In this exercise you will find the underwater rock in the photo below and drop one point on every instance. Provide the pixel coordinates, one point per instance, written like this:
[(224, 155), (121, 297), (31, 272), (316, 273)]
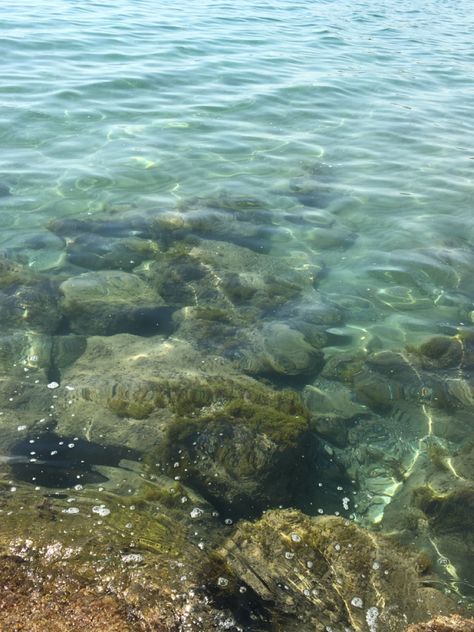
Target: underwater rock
[(332, 409), (231, 258), (449, 511), (223, 290), (327, 573), (106, 561), (26, 407), (454, 623), (180, 279), (12, 273), (128, 224), (337, 236), (10, 314), (109, 302), (389, 377), (159, 396), (66, 350), (97, 252), (233, 219), (24, 351), (37, 307), (344, 366), (33, 307), (313, 316), (325, 397), (445, 352), (313, 190), (127, 387), (276, 348), (434, 508), (38, 249), (211, 224), (244, 457)]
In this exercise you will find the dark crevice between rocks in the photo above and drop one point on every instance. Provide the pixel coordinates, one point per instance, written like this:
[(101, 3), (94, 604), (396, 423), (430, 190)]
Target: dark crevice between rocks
[(53, 374), (50, 460)]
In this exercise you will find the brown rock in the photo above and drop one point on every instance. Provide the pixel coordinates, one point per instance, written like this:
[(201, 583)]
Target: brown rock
[(455, 623)]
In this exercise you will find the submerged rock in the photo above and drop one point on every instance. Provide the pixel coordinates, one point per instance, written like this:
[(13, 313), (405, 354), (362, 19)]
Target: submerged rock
[(106, 561), (277, 348), (38, 249), (333, 411), (96, 252), (327, 573), (37, 307), (24, 351), (243, 445), (244, 457), (446, 352), (12, 273), (108, 302)]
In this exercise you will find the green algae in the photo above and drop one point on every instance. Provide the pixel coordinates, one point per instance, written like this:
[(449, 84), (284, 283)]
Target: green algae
[(281, 427), (239, 454), (448, 512)]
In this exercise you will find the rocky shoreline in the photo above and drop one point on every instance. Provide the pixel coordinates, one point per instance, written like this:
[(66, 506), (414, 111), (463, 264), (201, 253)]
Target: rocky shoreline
[(192, 441)]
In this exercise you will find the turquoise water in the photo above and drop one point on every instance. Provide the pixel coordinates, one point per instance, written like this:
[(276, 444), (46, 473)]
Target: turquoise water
[(307, 156)]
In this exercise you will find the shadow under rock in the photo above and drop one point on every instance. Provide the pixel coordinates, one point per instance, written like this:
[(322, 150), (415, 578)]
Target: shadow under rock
[(53, 461)]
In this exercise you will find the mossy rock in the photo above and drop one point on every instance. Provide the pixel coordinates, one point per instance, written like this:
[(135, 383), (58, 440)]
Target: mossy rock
[(104, 562), (130, 389), (449, 512), (344, 366), (110, 301), (441, 352), (447, 352), (327, 573), (243, 456), (176, 276), (12, 273)]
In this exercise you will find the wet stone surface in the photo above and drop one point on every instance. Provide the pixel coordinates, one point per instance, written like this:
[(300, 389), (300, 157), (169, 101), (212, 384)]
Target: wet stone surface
[(175, 374)]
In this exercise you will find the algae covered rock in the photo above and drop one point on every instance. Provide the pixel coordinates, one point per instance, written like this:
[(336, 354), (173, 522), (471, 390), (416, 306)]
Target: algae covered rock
[(137, 386), (243, 456), (108, 302), (12, 273), (446, 352), (326, 573), (434, 508), (96, 560), (242, 444), (97, 252)]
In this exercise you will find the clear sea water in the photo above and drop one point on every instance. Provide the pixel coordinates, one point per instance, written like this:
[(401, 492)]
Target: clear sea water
[(354, 117), (106, 105)]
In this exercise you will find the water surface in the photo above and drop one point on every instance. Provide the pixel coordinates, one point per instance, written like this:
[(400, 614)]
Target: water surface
[(306, 156)]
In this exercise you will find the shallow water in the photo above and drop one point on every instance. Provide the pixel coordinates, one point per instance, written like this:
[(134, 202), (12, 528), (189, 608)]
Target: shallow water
[(315, 162)]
